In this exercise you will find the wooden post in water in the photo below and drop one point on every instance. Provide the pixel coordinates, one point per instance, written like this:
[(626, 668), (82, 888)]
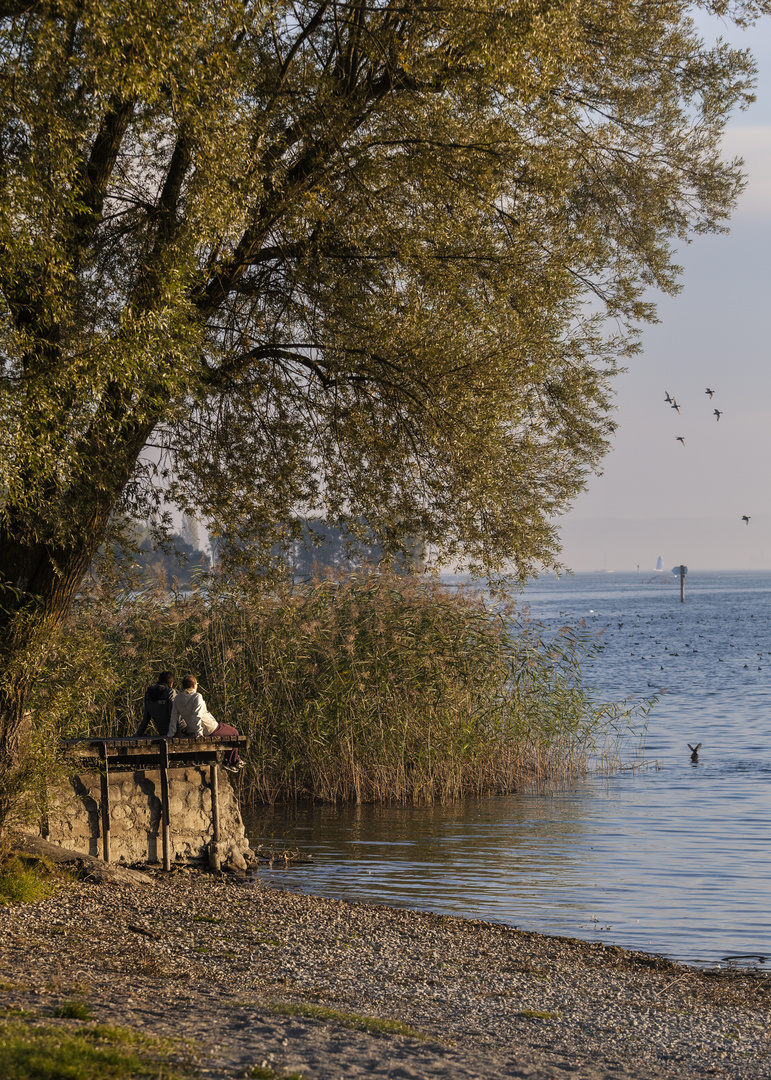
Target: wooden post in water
[(682, 584), (104, 776), (165, 805)]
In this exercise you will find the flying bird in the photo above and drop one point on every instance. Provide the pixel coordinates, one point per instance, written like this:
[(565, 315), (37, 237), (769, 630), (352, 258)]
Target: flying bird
[(679, 438), (710, 392), (717, 413), (675, 405), (745, 519), (694, 751), (667, 398)]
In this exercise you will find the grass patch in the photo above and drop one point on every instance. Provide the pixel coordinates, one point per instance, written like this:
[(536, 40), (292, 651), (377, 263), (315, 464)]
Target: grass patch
[(94, 1053), (535, 1014), (111, 1033), (373, 1024), (72, 1010), (207, 919), (264, 1072), (25, 880)]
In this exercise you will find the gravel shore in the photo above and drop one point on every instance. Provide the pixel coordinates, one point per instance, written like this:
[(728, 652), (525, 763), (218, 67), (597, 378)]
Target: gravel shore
[(242, 975)]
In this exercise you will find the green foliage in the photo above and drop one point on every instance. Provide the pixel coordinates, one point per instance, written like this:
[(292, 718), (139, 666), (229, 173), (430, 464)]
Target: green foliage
[(72, 1010), (24, 785), (338, 256), (372, 262), (24, 881), (264, 1072), (89, 1053), (376, 687)]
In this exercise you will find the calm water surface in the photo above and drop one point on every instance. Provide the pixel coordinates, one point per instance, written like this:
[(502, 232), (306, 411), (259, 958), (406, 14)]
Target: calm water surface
[(672, 859)]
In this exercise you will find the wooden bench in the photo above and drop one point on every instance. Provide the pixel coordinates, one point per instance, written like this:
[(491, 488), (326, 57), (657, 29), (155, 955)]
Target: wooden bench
[(153, 752)]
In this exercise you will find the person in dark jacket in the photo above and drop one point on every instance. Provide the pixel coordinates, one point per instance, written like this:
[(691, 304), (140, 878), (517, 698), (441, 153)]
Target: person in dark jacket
[(158, 701)]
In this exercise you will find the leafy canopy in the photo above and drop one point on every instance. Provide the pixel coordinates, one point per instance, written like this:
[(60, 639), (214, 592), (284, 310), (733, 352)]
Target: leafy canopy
[(373, 259)]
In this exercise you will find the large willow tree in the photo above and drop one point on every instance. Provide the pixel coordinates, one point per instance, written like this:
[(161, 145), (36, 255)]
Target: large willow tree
[(377, 259)]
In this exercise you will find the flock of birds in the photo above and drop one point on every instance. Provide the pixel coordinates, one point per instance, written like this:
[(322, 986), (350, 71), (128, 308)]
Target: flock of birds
[(672, 402)]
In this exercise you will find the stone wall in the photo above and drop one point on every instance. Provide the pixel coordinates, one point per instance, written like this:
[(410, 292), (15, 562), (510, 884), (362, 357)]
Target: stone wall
[(74, 818)]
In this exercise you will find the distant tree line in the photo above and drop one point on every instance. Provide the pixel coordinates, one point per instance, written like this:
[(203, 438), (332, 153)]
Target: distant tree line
[(323, 546)]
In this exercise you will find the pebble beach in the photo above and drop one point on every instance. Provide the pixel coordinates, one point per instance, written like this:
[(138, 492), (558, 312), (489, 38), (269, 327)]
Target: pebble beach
[(243, 979)]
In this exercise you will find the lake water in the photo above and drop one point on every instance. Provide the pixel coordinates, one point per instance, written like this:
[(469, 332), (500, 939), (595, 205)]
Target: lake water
[(673, 859)]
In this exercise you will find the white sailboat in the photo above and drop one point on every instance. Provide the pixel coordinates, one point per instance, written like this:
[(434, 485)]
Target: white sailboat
[(659, 572)]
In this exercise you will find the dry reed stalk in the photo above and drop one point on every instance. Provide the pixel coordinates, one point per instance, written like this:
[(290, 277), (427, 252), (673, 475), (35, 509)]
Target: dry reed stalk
[(372, 688)]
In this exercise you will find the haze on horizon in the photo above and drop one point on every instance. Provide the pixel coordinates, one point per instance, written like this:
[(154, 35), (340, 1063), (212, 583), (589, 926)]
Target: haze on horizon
[(686, 501)]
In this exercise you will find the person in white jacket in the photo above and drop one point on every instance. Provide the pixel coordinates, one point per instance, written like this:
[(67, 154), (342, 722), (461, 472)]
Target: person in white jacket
[(190, 716)]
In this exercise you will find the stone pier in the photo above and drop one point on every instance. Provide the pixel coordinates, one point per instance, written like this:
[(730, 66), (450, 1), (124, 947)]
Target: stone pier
[(116, 809)]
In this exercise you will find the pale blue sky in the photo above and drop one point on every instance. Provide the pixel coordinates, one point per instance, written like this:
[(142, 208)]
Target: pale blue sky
[(685, 502)]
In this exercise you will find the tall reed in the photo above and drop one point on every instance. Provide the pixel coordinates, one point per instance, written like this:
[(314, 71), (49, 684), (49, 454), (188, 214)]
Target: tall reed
[(375, 687)]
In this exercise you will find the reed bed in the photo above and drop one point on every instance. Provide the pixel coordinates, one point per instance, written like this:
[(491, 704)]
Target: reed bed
[(373, 688)]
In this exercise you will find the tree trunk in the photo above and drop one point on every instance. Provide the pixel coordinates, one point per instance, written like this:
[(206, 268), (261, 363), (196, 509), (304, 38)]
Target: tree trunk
[(39, 579), (38, 588)]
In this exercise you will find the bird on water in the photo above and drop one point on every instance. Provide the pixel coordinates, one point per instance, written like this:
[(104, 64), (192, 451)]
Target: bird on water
[(694, 751)]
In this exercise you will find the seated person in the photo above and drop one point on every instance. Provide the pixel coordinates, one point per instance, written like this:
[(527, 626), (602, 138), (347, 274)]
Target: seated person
[(158, 701), (190, 715)]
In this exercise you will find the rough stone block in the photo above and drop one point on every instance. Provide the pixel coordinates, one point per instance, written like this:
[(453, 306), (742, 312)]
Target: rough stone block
[(74, 818), (236, 861)]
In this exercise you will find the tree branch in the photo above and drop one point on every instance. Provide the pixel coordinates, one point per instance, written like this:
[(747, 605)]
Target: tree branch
[(104, 154)]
